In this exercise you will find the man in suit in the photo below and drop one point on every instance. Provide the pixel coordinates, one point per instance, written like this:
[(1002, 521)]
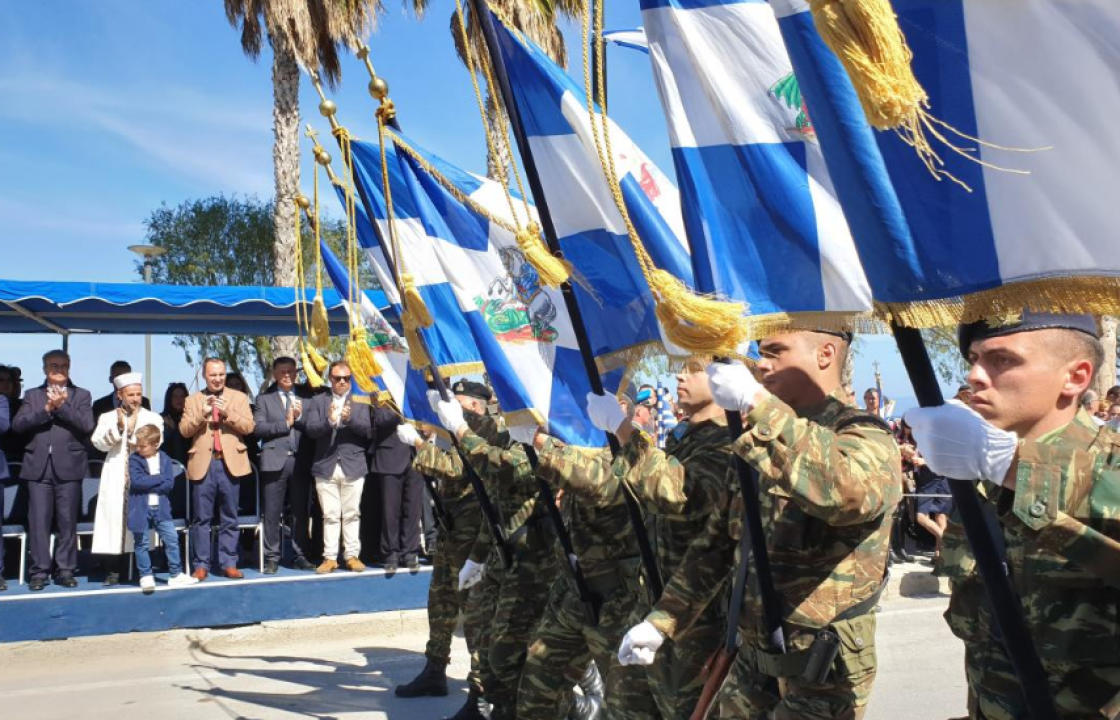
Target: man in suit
[(402, 492), (106, 403), (5, 425), (279, 421), (56, 419), (342, 431), (215, 422)]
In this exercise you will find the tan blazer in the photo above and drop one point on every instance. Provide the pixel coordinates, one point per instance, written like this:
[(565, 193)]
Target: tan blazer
[(195, 429)]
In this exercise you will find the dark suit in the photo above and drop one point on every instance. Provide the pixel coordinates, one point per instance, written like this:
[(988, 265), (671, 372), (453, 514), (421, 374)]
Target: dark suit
[(401, 486), (280, 461), (54, 464)]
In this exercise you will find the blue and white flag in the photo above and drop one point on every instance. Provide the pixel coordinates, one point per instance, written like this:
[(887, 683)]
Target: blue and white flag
[(613, 295), (1030, 74), (490, 310), (763, 222), (634, 39)]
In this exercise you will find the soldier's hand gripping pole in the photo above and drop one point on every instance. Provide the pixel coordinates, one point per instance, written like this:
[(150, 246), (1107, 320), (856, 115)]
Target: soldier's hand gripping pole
[(1006, 608)]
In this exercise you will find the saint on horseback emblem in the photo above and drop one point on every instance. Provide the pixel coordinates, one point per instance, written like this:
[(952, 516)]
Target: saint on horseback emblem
[(515, 307)]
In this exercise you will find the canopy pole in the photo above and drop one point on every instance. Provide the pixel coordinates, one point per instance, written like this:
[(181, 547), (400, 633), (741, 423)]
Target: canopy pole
[(42, 321)]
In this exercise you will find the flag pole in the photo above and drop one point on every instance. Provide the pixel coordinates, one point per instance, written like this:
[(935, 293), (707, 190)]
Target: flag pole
[(990, 561), (490, 38), (498, 534)]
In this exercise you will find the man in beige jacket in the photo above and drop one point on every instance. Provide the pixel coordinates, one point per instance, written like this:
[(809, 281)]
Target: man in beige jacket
[(215, 421)]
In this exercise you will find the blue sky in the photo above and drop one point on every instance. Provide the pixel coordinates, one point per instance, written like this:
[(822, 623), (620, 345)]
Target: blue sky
[(112, 108)]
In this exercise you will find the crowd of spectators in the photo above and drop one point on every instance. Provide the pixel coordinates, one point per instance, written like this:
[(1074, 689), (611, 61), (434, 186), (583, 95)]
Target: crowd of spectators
[(320, 463)]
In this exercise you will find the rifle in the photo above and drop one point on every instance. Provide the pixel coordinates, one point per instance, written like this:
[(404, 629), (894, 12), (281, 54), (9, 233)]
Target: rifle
[(443, 518), (591, 602)]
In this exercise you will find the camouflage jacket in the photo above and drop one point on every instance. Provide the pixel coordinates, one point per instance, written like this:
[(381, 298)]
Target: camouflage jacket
[(445, 466), (598, 524), (830, 480), (678, 486), (1061, 527)]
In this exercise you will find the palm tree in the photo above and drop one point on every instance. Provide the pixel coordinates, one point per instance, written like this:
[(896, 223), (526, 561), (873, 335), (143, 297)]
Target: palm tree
[(537, 20), (308, 33)]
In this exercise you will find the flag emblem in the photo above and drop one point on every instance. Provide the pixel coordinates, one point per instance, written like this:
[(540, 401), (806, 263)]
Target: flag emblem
[(788, 92)]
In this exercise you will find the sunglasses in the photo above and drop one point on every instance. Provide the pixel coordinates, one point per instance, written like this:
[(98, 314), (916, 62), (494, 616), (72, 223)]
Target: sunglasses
[(340, 378)]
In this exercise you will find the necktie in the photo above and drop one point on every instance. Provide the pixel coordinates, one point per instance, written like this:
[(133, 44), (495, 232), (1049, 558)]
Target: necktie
[(217, 432)]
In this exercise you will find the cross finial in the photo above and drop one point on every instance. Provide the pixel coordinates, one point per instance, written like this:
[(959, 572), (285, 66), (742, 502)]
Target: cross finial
[(313, 134)]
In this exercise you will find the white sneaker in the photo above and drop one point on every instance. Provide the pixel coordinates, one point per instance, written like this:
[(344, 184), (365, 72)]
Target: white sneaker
[(148, 584), (181, 580)]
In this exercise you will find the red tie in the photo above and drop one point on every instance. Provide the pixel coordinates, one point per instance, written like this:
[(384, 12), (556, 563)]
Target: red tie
[(217, 429)]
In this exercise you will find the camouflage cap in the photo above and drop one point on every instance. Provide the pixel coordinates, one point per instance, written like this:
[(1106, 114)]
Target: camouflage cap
[(472, 389), (1026, 322)]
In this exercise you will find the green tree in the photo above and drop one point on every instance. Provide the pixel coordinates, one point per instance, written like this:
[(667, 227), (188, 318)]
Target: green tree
[(301, 32), (219, 241)]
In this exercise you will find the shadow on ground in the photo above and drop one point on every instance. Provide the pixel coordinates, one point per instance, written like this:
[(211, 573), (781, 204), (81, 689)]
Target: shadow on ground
[(326, 690)]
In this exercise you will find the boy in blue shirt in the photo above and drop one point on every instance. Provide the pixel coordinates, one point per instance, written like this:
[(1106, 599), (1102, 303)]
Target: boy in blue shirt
[(150, 481)]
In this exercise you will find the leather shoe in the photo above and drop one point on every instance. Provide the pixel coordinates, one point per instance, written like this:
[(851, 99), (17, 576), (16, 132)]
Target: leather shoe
[(302, 563), (66, 580), (413, 564), (271, 567), (111, 579), (390, 569), (233, 573), (36, 584), (353, 564), (200, 574), (3, 585)]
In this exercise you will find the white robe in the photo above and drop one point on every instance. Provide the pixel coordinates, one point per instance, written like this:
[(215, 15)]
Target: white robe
[(110, 532)]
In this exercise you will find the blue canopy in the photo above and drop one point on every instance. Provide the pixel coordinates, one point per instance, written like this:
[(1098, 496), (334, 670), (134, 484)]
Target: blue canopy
[(28, 306)]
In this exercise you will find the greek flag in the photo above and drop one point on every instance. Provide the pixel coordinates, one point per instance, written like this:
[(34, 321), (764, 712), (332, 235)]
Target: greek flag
[(1030, 74), (404, 384), (763, 222), (491, 312), (612, 293)]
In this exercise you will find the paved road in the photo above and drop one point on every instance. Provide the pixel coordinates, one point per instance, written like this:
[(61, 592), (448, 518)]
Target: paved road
[(346, 668)]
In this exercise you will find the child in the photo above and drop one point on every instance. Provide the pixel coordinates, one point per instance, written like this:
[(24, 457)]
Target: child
[(150, 481)]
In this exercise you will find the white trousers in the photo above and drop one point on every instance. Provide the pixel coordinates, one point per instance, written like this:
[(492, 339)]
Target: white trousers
[(340, 498)]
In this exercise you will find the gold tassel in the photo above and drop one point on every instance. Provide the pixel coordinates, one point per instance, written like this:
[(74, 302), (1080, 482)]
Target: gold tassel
[(359, 370), (413, 303), (319, 333), (416, 357), (553, 271), (314, 378), (866, 37), (317, 360), (696, 323)]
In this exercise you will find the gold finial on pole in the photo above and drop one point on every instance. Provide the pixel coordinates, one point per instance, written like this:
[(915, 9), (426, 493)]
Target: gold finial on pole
[(320, 153), (327, 108), (378, 88)]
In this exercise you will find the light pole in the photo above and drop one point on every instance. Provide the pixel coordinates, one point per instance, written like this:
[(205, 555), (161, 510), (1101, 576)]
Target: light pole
[(149, 253)]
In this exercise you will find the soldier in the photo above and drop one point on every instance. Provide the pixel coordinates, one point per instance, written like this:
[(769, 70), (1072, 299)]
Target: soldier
[(608, 554), (830, 476), (520, 592), (681, 487), (1051, 478), (457, 543)]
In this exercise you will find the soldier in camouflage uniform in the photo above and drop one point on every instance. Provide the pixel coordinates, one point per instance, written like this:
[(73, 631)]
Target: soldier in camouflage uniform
[(519, 593), (605, 543), (830, 477), (1053, 481), (456, 544), (681, 487)]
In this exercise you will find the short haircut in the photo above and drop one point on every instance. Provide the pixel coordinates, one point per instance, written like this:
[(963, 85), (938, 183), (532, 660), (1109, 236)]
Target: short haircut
[(147, 434), (871, 390), (1113, 391), (212, 359), (337, 363), (120, 365), (56, 353), (282, 360)]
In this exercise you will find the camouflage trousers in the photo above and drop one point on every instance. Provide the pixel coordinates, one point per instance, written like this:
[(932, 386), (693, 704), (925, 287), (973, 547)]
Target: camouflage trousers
[(508, 604), (564, 638), (749, 694), (445, 602), (675, 679)]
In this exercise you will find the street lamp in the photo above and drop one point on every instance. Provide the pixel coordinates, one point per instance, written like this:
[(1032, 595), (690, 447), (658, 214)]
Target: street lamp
[(149, 253)]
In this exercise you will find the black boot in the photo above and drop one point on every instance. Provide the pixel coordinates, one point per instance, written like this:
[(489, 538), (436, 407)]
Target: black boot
[(432, 680), (475, 708), (589, 705)]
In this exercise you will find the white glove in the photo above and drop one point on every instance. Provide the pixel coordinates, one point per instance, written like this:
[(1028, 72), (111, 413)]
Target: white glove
[(449, 412), (604, 412), (523, 433), (958, 443), (640, 644), (733, 386), (470, 574), (407, 434)]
